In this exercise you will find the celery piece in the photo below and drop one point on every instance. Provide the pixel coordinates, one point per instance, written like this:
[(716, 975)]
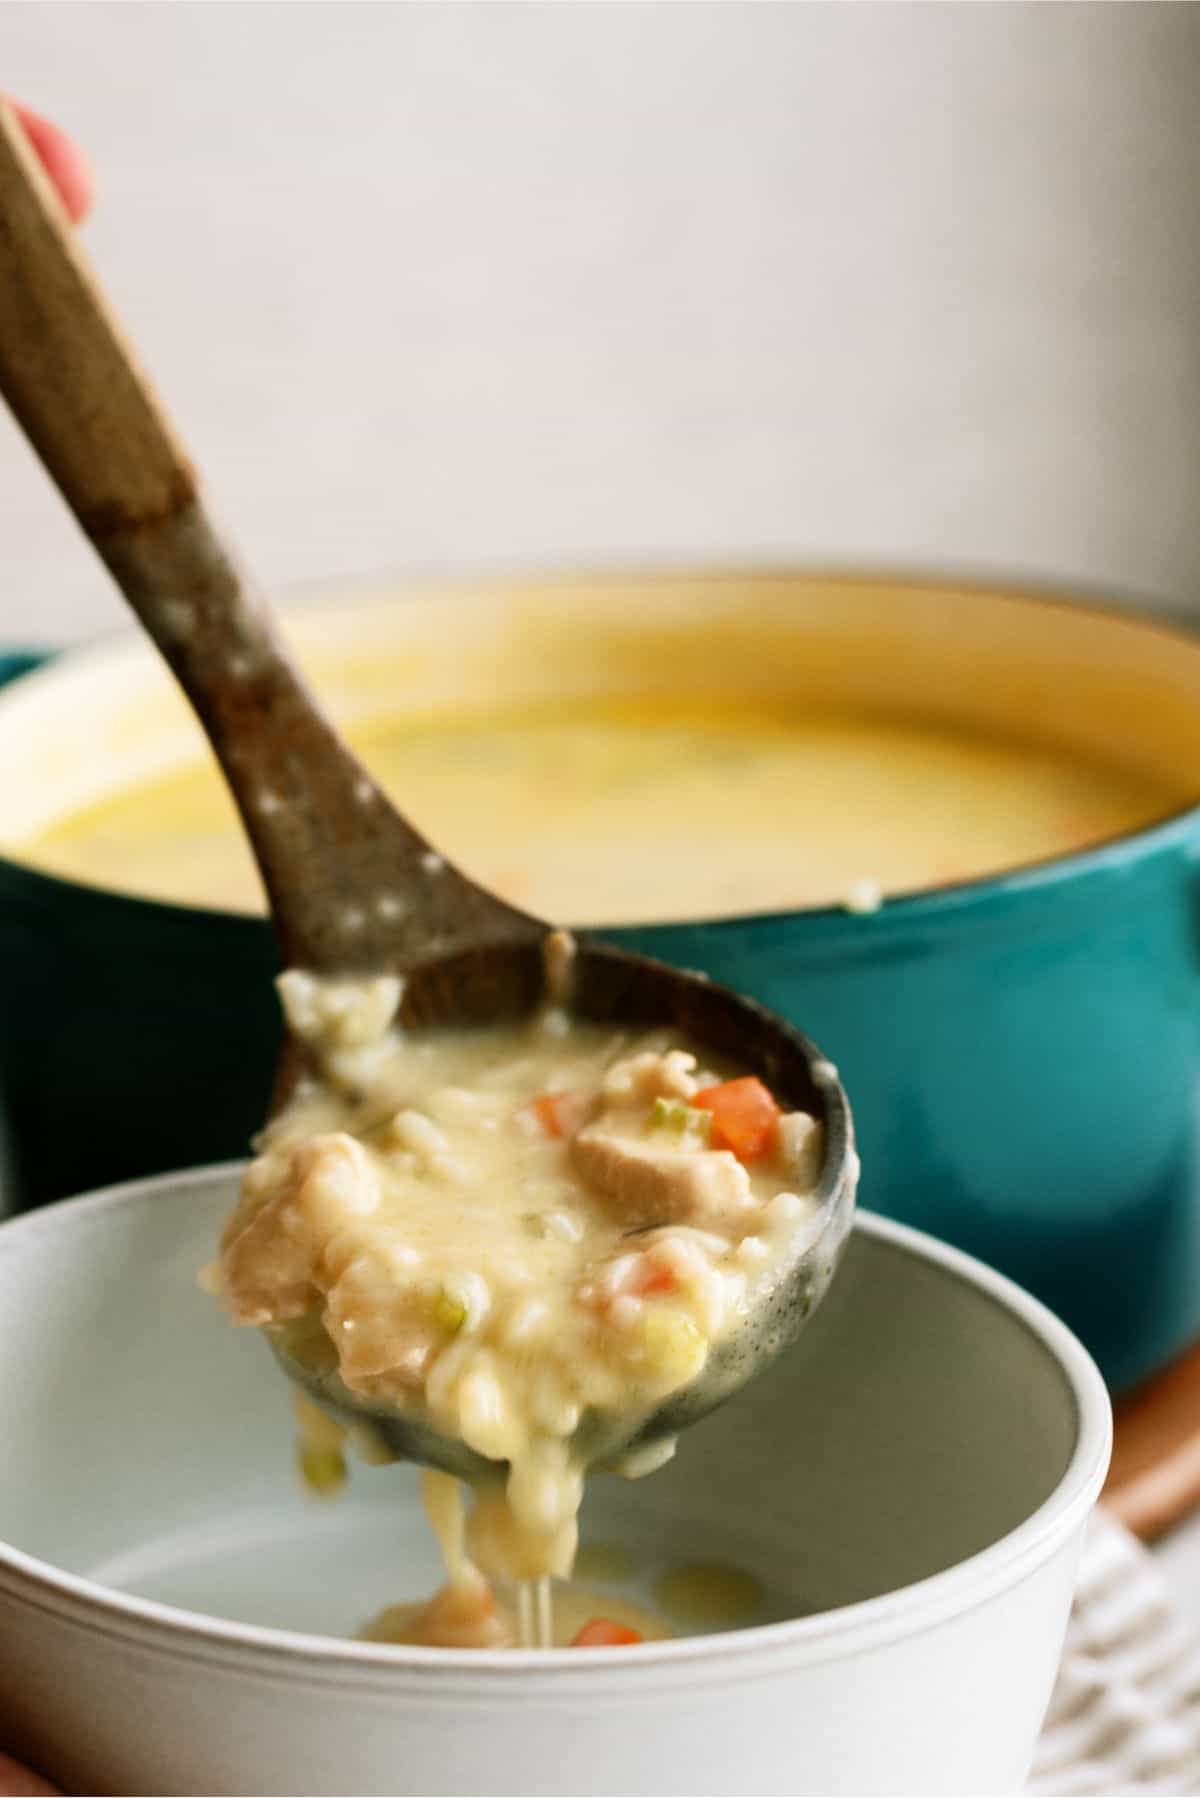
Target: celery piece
[(323, 1470), (450, 1311), (680, 1119), (462, 1302)]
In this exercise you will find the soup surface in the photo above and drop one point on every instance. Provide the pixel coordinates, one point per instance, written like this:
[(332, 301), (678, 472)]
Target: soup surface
[(610, 814)]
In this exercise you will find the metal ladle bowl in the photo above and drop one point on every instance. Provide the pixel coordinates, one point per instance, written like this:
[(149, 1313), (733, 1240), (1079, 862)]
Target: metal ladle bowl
[(612, 986)]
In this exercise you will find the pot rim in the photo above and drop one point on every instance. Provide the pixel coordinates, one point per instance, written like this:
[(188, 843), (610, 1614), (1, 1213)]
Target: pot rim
[(868, 1623), (913, 907)]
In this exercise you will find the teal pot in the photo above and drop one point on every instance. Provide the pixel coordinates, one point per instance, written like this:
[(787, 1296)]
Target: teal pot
[(1021, 1052)]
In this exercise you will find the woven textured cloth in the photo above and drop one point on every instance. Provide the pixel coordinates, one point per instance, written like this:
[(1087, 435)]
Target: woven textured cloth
[(1125, 1715)]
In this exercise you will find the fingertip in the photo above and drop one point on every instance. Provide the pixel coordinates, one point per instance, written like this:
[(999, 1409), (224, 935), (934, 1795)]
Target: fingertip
[(18, 1782), (64, 162)]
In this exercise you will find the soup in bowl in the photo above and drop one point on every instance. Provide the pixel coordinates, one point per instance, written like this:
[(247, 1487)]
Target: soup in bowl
[(948, 832)]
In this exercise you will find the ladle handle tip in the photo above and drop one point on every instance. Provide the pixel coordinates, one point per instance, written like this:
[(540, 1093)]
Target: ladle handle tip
[(352, 885), (66, 368)]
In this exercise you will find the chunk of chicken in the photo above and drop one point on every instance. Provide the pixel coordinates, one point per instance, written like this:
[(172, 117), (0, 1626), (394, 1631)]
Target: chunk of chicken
[(292, 1205), (380, 1324), (463, 1614), (651, 1182)]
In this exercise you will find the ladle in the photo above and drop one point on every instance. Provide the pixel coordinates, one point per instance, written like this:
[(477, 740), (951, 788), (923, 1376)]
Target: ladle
[(353, 888)]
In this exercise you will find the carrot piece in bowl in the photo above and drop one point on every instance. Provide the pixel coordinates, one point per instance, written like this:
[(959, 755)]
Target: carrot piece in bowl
[(602, 1632)]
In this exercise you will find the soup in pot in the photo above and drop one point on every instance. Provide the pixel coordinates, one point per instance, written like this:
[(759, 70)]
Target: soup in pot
[(613, 813)]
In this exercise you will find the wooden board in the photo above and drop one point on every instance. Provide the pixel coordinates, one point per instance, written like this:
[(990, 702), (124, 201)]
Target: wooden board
[(1154, 1481)]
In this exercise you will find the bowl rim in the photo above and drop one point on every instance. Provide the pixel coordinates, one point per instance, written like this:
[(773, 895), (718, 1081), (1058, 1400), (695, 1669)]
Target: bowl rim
[(915, 907), (867, 1623)]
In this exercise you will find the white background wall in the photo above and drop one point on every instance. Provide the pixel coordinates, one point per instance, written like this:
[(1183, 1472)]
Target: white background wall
[(461, 286)]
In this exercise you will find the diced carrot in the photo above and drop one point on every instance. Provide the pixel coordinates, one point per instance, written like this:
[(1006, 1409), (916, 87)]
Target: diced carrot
[(560, 1114), (655, 1279), (745, 1117), (602, 1632), (546, 1107)]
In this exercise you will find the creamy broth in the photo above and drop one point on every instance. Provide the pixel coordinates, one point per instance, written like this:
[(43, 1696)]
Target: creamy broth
[(467, 1612), (506, 1231), (575, 1606), (612, 1592), (609, 814)]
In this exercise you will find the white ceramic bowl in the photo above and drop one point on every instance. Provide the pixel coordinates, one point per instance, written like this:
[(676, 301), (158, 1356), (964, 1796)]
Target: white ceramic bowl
[(912, 1480)]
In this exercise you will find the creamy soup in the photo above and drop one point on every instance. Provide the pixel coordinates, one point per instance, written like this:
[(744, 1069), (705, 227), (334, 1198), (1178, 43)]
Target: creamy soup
[(504, 1231), (469, 1611), (608, 814), (614, 1600), (610, 1601)]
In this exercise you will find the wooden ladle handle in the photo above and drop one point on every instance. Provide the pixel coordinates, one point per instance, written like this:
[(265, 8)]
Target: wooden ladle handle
[(352, 885), (68, 373)]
